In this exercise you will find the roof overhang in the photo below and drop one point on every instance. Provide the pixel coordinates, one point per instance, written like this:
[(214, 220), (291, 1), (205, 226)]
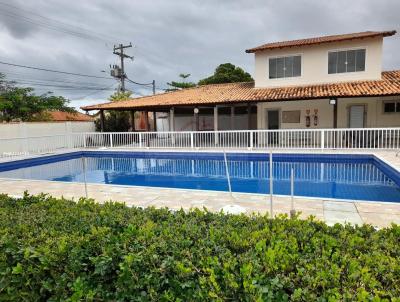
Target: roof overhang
[(321, 40), (236, 93)]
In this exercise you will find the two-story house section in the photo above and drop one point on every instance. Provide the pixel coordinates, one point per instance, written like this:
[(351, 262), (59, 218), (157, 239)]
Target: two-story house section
[(323, 82), (324, 60)]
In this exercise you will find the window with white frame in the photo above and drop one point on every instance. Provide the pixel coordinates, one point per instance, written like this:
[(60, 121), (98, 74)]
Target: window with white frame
[(391, 107), (285, 67), (346, 61)]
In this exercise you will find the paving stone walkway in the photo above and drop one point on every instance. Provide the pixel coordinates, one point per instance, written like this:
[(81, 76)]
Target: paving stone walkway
[(375, 213)]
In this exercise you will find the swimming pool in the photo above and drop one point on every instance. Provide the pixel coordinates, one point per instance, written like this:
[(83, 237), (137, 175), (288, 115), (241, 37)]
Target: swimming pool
[(351, 177)]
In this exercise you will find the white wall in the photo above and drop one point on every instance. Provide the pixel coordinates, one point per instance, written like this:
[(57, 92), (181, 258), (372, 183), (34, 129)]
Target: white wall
[(315, 63), (374, 115), (10, 130), (325, 113)]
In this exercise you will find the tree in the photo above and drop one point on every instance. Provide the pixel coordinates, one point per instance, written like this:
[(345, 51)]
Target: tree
[(227, 73), (182, 84), (22, 104), (116, 121), (120, 96)]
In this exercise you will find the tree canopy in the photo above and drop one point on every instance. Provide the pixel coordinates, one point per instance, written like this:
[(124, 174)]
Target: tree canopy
[(22, 104), (116, 121), (227, 73), (181, 84), (120, 96)]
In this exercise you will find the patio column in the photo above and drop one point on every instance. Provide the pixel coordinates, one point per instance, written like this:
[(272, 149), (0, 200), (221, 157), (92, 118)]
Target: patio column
[(216, 138), (146, 119), (335, 116), (216, 118), (232, 117), (132, 120), (102, 120), (155, 121), (248, 116), (171, 119)]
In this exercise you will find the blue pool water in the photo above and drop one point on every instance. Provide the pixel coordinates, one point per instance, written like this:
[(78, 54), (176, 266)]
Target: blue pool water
[(357, 177)]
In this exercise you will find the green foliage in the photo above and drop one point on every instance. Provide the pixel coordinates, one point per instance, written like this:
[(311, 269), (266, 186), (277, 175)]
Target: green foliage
[(182, 84), (21, 104), (120, 96), (227, 73), (116, 121), (59, 250)]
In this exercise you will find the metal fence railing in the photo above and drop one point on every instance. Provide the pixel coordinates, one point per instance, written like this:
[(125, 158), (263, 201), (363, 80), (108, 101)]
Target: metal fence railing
[(344, 138)]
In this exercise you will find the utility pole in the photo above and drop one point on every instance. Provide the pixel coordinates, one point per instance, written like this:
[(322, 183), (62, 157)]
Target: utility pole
[(154, 87), (119, 51)]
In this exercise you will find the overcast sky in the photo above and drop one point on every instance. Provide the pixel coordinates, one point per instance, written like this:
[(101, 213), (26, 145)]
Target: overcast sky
[(170, 37)]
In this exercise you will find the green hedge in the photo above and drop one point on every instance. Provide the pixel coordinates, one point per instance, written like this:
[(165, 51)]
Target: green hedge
[(59, 250)]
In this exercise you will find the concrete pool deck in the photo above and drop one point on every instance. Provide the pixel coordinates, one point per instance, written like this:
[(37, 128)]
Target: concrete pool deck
[(379, 214)]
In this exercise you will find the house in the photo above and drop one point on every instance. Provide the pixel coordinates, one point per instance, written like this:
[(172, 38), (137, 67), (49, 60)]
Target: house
[(323, 82), (61, 116)]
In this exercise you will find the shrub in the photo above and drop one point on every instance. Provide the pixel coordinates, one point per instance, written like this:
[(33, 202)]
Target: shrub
[(60, 250)]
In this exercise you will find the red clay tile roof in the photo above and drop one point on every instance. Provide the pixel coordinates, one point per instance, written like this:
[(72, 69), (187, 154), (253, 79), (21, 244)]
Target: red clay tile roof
[(245, 92), (60, 116), (321, 40)]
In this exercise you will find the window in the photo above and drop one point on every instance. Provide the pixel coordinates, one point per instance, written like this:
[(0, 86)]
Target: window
[(285, 67), (346, 61), (391, 107)]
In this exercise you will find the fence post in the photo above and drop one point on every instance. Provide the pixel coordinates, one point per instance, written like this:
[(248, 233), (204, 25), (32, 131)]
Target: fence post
[(271, 184), (322, 139), (111, 141), (191, 140), (251, 140), (216, 139), (84, 140), (140, 139)]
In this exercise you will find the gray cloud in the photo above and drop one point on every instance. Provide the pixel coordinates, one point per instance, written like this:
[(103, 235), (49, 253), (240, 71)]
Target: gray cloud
[(176, 36)]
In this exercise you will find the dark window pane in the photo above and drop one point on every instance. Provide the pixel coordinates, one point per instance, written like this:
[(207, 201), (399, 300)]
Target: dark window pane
[(360, 60), (341, 66), (332, 62), (280, 64), (288, 67), (351, 61), (297, 66), (272, 68), (390, 107), (398, 107)]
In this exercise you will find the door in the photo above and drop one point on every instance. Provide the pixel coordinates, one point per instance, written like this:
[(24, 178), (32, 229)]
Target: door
[(356, 120), (272, 119), (356, 116), (272, 124)]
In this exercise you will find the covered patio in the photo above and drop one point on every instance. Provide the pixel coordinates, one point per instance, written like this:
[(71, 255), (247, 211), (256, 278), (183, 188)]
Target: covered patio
[(242, 106)]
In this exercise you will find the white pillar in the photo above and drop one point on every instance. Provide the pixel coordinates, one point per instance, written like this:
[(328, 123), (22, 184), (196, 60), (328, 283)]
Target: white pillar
[(171, 119), (232, 118), (216, 125), (216, 118)]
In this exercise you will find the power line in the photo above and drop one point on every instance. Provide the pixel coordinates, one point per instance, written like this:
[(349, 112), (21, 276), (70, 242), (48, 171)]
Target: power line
[(14, 11), (61, 86), (56, 71), (141, 84), (48, 81), (112, 87)]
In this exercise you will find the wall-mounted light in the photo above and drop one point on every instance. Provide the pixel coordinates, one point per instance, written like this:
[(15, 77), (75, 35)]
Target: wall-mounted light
[(196, 110), (332, 101)]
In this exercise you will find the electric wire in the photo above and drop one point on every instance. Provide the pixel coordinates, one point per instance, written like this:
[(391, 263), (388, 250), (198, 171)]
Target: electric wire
[(55, 71), (49, 23)]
